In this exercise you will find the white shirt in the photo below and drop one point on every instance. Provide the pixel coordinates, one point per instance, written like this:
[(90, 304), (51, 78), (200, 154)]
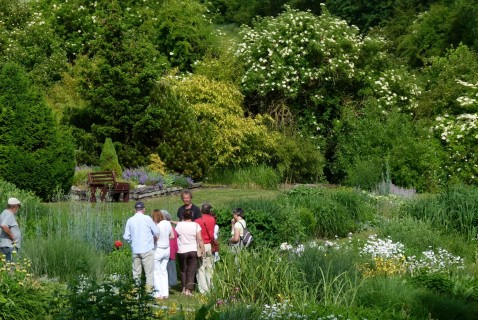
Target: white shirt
[(165, 230)]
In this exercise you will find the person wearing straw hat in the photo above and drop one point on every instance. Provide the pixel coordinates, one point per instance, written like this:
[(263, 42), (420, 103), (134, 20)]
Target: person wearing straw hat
[(10, 235)]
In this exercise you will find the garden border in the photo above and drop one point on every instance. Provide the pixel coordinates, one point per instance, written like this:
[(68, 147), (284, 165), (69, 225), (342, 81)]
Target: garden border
[(135, 194)]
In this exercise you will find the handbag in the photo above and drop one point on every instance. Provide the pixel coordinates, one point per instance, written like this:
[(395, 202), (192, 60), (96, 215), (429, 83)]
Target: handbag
[(214, 242)]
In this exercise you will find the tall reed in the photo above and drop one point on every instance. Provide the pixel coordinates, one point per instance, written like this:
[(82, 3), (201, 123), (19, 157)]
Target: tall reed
[(256, 177), (454, 210)]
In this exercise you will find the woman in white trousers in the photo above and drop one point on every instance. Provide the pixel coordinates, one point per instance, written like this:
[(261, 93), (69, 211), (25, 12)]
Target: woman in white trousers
[(161, 255)]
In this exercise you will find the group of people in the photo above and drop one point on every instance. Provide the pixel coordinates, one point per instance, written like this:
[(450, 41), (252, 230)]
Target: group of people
[(156, 239)]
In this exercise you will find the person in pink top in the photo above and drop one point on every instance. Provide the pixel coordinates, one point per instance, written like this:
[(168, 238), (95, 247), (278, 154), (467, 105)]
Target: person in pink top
[(173, 250), (189, 242)]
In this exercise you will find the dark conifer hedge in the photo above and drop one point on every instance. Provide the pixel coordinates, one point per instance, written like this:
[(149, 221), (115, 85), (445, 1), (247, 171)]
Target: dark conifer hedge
[(35, 153)]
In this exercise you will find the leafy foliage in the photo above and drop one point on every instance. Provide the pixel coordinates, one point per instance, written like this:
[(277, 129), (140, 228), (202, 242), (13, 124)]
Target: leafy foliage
[(27, 39), (218, 105), (442, 27), (372, 138), (182, 32)]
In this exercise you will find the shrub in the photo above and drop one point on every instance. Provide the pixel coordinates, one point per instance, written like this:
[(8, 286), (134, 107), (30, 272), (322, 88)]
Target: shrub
[(80, 179), (118, 262), (36, 154), (299, 159), (337, 213), (237, 140), (445, 308), (372, 145), (31, 210), (109, 159)]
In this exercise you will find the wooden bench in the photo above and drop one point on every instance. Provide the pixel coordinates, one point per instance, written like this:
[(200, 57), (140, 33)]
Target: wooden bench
[(106, 182)]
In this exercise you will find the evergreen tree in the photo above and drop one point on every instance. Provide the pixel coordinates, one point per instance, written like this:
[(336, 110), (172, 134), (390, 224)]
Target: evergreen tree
[(109, 158), (170, 128), (34, 153)]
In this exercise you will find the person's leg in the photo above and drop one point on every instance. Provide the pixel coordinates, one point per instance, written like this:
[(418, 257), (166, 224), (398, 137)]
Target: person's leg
[(182, 270), (137, 267), (205, 270), (191, 270), (148, 266), (7, 251), (157, 258), (163, 273), (172, 273)]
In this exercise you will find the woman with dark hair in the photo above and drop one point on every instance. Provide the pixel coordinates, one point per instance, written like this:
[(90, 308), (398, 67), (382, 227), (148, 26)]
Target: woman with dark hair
[(189, 238), (237, 227), (161, 255)]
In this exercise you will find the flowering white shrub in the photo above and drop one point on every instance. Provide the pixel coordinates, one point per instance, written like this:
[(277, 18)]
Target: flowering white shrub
[(299, 249), (298, 51), (434, 262), (459, 136), (396, 88), (379, 248)]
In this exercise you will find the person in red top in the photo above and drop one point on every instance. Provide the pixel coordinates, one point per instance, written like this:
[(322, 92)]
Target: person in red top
[(206, 262)]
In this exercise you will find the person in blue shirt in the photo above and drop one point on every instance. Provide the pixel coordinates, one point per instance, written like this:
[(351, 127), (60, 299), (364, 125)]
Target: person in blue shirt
[(140, 232)]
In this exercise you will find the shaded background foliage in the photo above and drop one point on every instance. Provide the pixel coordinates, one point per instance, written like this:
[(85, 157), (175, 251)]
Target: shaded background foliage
[(285, 83)]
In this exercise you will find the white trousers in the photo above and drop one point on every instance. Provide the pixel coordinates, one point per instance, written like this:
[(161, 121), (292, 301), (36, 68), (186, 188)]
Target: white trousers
[(161, 283)]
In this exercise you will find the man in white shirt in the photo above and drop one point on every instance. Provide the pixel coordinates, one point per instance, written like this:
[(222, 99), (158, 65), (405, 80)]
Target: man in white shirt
[(10, 234), (140, 232)]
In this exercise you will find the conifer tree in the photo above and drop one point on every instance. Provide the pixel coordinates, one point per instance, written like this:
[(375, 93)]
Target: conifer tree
[(34, 153), (109, 158)]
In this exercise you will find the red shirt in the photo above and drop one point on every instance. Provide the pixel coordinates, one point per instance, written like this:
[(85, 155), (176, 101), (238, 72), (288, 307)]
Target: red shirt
[(206, 221)]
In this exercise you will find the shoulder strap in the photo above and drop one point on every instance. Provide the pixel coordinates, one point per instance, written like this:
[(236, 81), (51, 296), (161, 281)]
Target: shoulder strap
[(241, 224)]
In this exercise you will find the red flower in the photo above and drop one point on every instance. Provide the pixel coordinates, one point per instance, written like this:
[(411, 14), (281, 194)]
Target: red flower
[(118, 244)]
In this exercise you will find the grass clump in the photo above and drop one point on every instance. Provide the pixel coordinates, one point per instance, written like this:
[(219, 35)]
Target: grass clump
[(454, 210), (256, 177)]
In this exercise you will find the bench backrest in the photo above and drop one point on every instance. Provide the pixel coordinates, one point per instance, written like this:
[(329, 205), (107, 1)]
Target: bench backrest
[(101, 178)]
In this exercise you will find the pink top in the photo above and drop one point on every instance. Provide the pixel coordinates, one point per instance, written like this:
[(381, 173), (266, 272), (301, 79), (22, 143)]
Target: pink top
[(173, 246), (187, 239)]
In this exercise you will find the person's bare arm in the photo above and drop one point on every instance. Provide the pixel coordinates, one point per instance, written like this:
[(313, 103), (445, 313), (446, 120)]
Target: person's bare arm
[(201, 242), (7, 231), (237, 235)]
